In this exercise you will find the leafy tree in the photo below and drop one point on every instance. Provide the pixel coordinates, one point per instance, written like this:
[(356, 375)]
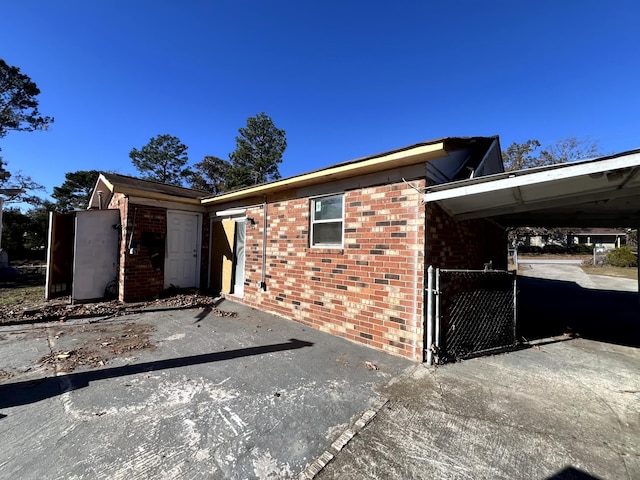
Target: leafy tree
[(36, 236), (569, 150), (259, 149), (210, 174), (24, 235), (525, 155), (520, 155), (163, 159), (75, 192), (14, 225), (20, 182), (19, 112), (18, 103)]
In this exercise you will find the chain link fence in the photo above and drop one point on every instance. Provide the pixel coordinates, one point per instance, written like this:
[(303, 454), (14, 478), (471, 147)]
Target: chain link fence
[(475, 313)]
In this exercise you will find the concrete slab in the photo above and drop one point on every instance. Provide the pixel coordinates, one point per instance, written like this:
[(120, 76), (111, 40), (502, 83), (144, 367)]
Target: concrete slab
[(566, 410), (555, 299), (568, 272), (220, 397)]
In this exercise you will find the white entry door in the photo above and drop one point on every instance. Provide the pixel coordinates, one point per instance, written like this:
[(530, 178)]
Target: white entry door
[(182, 263)]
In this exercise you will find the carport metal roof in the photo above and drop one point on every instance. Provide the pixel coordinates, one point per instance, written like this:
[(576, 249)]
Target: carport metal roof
[(604, 192)]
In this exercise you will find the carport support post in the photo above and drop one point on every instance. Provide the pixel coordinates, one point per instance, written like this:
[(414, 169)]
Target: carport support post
[(429, 317)]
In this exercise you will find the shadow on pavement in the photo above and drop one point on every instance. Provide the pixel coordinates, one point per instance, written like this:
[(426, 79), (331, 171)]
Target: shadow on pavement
[(549, 308), (571, 473), (23, 393)]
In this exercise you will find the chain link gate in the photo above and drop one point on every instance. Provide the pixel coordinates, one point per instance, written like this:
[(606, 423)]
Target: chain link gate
[(469, 313)]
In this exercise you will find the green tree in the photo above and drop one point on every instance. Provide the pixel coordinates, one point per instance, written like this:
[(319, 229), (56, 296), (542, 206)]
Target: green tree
[(22, 183), (24, 235), (36, 237), (163, 160), (259, 149), (19, 112), (210, 174), (18, 102), (75, 192), (526, 155), (14, 226)]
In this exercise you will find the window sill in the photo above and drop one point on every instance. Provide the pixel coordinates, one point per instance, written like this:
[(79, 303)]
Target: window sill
[(324, 250)]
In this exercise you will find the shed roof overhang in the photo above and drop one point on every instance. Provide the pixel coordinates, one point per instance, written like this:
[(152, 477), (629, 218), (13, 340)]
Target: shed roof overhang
[(604, 192)]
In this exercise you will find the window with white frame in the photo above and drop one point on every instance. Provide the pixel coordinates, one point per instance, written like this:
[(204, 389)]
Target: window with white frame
[(327, 221)]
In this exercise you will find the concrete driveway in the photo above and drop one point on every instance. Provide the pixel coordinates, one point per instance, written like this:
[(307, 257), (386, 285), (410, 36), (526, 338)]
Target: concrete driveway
[(210, 398), (564, 411)]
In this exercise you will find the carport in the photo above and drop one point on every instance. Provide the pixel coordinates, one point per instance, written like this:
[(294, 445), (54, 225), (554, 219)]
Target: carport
[(603, 192)]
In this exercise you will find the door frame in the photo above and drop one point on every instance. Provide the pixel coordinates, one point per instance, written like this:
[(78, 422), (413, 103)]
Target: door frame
[(198, 244), (235, 215)]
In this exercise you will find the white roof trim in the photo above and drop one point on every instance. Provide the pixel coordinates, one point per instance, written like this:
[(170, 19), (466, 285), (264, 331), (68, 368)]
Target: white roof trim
[(532, 176), (600, 192)]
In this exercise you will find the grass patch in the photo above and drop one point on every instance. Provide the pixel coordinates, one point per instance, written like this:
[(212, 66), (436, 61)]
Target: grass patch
[(25, 289), (611, 271), (19, 294)]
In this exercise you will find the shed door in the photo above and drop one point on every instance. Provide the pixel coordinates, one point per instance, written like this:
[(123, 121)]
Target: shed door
[(181, 266), (60, 255), (95, 256)]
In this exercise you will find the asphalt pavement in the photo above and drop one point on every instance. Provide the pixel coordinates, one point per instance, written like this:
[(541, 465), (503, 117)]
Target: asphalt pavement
[(251, 397), (259, 397)]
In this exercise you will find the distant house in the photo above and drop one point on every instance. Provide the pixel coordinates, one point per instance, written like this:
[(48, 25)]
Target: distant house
[(606, 238)]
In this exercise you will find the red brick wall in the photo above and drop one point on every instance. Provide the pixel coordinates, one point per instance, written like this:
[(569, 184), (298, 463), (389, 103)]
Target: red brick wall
[(141, 276), (463, 244), (370, 291)]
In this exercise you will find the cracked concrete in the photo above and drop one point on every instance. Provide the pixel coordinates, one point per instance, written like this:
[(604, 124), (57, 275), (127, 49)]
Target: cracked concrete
[(566, 408), (252, 397)]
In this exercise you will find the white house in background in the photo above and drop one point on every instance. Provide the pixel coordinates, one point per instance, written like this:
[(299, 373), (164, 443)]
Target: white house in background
[(607, 238)]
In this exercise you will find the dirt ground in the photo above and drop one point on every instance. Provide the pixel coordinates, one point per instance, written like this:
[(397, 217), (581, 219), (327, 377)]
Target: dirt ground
[(100, 344), (22, 302)]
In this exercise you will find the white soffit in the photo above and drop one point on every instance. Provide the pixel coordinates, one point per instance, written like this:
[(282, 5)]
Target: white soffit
[(600, 192)]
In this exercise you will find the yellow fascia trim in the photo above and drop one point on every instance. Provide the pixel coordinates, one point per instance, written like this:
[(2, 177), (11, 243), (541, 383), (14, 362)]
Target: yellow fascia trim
[(107, 183), (158, 196), (364, 166)]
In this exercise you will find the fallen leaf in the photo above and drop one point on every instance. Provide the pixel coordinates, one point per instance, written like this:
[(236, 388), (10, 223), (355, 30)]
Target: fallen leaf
[(371, 365)]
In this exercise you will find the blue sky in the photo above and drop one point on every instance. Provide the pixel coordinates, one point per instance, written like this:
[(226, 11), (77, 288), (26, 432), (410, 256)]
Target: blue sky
[(344, 79)]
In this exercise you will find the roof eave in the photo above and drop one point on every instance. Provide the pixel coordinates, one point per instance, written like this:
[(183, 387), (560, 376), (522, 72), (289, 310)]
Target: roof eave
[(390, 160)]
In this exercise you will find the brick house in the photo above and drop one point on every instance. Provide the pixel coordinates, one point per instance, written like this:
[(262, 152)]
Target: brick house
[(343, 249)]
